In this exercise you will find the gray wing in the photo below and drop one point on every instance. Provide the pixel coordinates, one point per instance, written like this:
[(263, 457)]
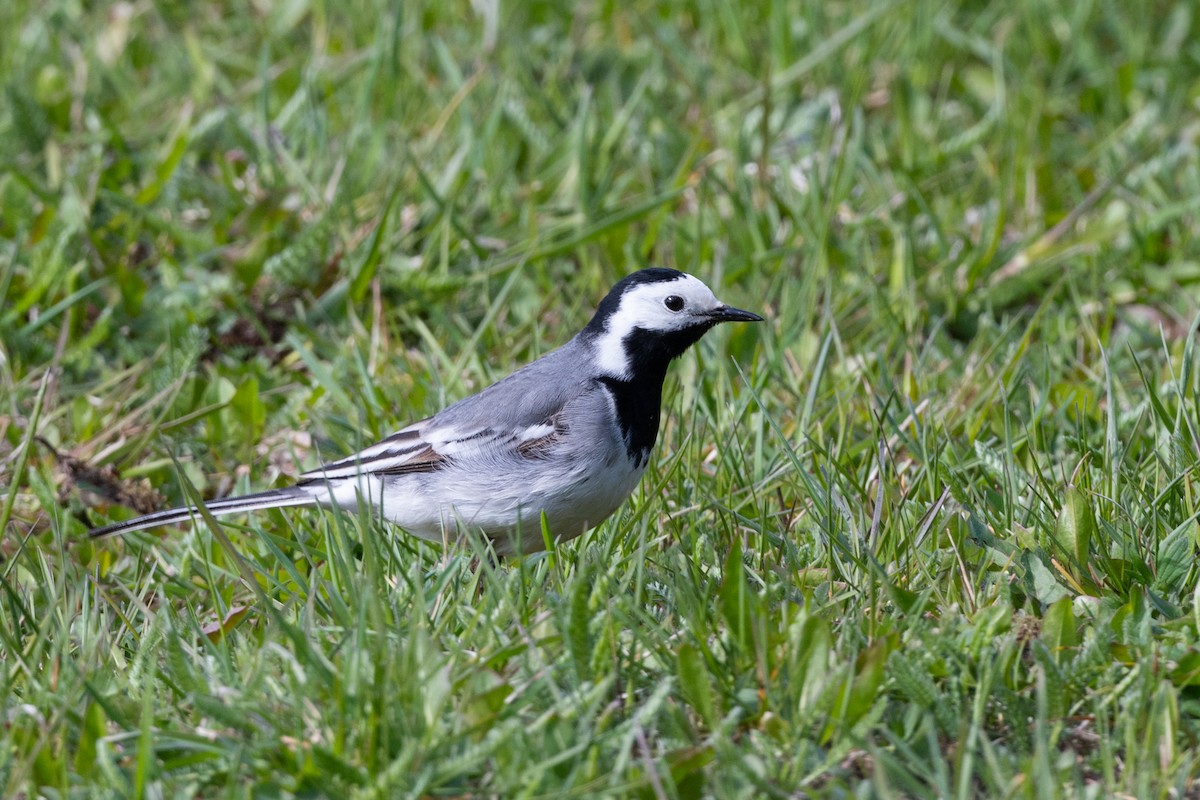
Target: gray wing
[(530, 396), (521, 413)]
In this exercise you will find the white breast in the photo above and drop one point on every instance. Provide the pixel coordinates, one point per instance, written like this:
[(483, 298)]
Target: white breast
[(577, 484)]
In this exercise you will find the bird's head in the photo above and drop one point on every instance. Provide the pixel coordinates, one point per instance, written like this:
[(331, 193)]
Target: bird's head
[(653, 316)]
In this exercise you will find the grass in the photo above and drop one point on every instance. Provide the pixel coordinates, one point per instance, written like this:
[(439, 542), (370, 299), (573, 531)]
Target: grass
[(930, 531)]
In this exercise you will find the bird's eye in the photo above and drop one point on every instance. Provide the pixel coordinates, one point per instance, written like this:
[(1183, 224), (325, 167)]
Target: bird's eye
[(674, 303)]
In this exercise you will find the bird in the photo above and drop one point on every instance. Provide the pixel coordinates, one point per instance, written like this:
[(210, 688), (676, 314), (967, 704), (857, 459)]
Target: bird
[(566, 437)]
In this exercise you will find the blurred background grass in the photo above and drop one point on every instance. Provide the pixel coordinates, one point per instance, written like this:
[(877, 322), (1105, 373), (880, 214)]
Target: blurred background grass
[(932, 531)]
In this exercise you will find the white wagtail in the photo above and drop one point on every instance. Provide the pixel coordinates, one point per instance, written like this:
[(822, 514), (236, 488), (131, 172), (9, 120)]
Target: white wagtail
[(567, 436)]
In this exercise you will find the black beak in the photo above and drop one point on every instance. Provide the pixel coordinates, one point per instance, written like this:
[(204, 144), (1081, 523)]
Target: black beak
[(728, 314)]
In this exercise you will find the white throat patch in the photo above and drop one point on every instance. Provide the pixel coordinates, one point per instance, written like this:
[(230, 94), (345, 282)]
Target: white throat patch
[(645, 306)]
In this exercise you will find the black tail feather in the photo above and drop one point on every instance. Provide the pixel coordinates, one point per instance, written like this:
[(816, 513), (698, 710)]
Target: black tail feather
[(275, 498)]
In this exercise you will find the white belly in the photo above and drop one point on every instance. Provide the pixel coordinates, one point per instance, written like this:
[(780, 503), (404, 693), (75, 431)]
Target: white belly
[(505, 503), (503, 495)]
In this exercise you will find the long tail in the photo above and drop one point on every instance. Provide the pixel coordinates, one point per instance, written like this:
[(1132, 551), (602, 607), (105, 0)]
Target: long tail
[(276, 498)]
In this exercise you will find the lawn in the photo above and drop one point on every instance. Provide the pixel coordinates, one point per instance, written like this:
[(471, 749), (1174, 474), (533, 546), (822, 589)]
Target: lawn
[(931, 530)]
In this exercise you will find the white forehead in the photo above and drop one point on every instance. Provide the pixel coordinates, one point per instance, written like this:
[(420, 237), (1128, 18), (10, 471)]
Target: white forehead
[(693, 291), (644, 306)]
